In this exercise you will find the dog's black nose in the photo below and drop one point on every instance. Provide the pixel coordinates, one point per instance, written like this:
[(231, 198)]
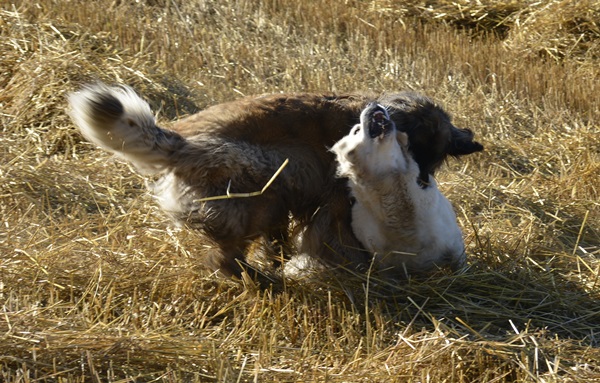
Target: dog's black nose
[(375, 107)]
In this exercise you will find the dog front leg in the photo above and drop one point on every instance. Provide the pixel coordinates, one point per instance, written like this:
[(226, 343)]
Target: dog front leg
[(226, 259)]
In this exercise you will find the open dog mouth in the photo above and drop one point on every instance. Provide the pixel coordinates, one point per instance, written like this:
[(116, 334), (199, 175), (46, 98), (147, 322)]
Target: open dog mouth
[(378, 121)]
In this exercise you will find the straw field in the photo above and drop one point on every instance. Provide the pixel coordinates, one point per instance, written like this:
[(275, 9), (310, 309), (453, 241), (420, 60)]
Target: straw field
[(97, 286)]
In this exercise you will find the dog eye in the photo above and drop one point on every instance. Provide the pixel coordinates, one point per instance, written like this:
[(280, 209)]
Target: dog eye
[(356, 130)]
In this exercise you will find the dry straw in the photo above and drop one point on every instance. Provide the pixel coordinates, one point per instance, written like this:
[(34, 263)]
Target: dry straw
[(257, 193), (96, 285)]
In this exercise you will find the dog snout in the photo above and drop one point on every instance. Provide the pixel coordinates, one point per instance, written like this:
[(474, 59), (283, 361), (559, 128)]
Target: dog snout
[(378, 120)]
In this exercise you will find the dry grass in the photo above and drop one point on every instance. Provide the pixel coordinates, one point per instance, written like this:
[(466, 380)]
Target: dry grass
[(96, 286)]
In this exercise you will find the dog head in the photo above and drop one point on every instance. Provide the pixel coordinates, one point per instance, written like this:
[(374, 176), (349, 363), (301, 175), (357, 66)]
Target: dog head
[(373, 147), (431, 135)]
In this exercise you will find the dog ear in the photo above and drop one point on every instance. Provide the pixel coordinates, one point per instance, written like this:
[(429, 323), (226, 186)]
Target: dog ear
[(402, 138), (462, 143)]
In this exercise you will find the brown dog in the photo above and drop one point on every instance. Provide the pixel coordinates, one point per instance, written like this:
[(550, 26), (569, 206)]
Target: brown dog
[(237, 147)]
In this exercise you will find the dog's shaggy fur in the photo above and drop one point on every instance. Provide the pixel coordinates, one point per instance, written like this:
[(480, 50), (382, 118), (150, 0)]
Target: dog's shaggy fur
[(407, 227), (238, 146)]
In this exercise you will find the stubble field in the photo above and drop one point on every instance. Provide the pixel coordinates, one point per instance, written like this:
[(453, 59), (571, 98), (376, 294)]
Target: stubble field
[(97, 286)]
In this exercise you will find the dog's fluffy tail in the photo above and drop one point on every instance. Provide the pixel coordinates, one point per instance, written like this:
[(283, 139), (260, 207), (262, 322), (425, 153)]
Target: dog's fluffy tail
[(118, 120)]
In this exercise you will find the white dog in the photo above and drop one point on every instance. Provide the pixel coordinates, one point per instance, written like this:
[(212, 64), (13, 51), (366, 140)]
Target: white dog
[(409, 227)]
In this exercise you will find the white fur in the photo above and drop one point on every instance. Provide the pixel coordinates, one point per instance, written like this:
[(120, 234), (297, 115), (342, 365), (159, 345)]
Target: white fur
[(131, 135), (404, 225), (301, 266), (173, 195)]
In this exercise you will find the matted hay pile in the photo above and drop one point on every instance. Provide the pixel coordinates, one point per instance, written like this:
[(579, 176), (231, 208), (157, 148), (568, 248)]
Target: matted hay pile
[(96, 285)]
